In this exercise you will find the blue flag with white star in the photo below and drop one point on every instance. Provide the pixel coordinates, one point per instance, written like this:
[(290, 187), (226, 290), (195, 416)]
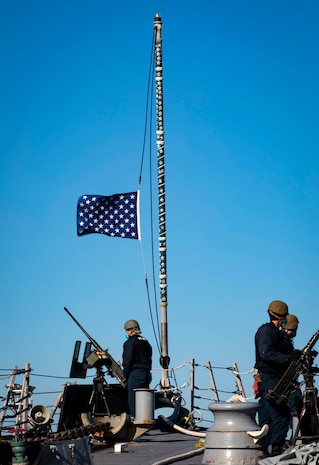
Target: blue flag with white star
[(115, 215)]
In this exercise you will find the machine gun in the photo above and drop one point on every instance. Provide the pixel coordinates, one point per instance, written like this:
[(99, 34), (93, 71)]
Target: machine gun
[(302, 365), (101, 357)]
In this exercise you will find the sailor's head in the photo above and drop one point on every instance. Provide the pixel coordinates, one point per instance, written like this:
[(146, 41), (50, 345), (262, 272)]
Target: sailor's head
[(290, 325), (132, 327), (278, 310)]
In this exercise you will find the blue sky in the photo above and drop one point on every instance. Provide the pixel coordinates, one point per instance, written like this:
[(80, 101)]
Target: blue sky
[(241, 106)]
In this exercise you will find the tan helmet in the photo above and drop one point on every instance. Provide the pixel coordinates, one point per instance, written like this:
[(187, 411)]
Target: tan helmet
[(132, 324), (291, 322), (277, 308)]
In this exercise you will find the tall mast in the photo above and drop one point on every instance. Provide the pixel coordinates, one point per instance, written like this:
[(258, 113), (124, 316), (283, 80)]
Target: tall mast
[(164, 359)]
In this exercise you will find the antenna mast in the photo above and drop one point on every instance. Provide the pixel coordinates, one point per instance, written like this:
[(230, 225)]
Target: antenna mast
[(164, 359)]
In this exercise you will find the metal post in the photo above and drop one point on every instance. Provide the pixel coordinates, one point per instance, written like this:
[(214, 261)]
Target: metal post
[(239, 384), (192, 384), (212, 381), (164, 359), (23, 403), (9, 397)]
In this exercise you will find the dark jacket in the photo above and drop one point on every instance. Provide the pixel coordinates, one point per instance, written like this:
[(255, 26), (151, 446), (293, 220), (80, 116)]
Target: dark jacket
[(272, 354), (137, 353)]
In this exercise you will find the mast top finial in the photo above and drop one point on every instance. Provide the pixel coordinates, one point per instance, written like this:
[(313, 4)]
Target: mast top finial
[(157, 18), (158, 26)]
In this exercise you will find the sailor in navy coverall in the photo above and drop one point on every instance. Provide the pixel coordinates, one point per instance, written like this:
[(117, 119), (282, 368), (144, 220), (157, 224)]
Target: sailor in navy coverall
[(272, 358), (137, 362)]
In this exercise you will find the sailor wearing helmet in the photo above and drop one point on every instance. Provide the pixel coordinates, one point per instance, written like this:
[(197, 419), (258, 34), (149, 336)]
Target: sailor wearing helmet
[(137, 361), (272, 360)]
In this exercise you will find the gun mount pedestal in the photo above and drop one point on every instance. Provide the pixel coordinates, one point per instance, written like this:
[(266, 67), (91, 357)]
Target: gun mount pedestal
[(98, 400), (308, 426), (104, 403)]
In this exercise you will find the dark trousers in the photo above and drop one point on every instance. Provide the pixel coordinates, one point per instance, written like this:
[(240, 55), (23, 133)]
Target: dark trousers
[(276, 417), (138, 378)]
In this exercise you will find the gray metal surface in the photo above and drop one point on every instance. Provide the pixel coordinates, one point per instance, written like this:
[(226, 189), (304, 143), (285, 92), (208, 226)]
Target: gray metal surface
[(152, 447)]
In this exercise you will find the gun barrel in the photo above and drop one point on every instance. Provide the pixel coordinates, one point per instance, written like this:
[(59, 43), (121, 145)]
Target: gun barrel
[(95, 344), (101, 356), (312, 342)]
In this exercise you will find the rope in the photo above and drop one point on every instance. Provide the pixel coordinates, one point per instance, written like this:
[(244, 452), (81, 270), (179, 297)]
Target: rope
[(244, 372), (176, 458)]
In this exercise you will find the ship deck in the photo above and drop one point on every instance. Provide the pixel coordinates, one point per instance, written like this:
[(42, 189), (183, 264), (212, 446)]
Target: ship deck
[(152, 448)]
